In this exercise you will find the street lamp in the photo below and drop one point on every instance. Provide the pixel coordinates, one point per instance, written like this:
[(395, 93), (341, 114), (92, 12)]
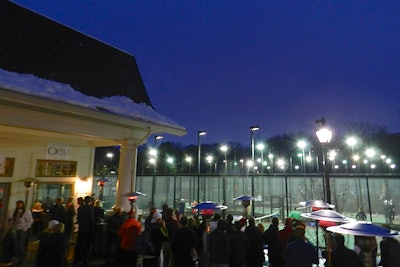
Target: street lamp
[(261, 148), (110, 159), (153, 160), (351, 141), (252, 130), (170, 161), (188, 159), (324, 136), (209, 160), (224, 148), (302, 144), (153, 153), (199, 134), (271, 161)]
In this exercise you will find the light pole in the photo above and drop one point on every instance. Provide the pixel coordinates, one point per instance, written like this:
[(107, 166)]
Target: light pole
[(199, 134), (324, 137), (261, 148), (302, 144), (188, 159), (370, 152), (170, 161), (110, 159), (271, 161), (210, 160), (153, 152), (224, 148), (252, 130), (157, 137)]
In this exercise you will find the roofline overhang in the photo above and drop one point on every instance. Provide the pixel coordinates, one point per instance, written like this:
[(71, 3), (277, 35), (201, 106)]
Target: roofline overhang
[(46, 105)]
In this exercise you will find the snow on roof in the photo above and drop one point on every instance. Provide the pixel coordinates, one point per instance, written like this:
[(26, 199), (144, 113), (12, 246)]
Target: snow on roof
[(121, 105)]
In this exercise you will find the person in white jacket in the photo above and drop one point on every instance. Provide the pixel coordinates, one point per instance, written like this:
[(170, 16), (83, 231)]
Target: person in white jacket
[(22, 221)]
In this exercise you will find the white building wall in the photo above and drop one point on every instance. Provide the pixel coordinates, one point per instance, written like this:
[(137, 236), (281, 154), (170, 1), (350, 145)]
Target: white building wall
[(26, 153)]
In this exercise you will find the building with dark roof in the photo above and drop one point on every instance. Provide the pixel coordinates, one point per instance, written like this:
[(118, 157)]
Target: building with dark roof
[(47, 141), (31, 43)]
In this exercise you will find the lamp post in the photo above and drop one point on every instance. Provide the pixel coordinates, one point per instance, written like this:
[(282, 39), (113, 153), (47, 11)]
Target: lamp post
[(324, 136), (209, 159), (261, 148), (110, 159), (199, 134), (170, 161), (224, 148), (302, 144), (252, 130), (188, 159), (153, 152), (271, 161)]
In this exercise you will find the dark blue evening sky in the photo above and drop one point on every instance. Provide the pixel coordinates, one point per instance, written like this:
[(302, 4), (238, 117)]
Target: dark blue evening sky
[(222, 66)]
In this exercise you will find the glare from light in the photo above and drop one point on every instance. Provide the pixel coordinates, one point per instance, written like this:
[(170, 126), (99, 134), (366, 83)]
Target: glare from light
[(153, 152), (370, 152), (170, 160), (351, 141), (260, 146), (302, 144)]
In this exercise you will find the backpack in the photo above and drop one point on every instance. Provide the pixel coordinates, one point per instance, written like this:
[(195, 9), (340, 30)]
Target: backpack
[(144, 244)]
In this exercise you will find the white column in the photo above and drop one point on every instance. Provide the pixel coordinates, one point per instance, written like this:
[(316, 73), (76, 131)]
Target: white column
[(126, 173)]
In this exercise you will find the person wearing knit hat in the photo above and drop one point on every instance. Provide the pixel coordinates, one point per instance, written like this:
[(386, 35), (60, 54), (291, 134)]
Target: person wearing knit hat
[(53, 223), (52, 246), (159, 234), (156, 217)]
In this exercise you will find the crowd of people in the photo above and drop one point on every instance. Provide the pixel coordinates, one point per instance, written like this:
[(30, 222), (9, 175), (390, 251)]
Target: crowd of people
[(169, 239)]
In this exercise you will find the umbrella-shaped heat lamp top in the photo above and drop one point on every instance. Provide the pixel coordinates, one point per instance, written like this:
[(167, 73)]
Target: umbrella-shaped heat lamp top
[(327, 215), (360, 228), (317, 204), (208, 205), (244, 198)]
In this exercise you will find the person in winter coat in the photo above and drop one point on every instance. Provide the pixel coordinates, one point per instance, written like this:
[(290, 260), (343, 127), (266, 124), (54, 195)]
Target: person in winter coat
[(22, 221), (255, 257), (271, 240), (240, 246), (52, 246), (219, 246), (128, 234), (158, 235), (183, 244), (390, 252)]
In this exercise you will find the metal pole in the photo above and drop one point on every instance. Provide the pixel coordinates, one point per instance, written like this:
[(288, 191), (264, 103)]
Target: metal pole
[(198, 166), (369, 200), (326, 176), (252, 171)]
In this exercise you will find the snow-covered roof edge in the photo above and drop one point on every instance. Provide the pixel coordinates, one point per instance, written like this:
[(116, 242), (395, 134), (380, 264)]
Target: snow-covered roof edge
[(120, 105)]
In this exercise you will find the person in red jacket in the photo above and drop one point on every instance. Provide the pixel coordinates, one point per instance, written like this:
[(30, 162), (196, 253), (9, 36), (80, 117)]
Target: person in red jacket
[(128, 233)]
